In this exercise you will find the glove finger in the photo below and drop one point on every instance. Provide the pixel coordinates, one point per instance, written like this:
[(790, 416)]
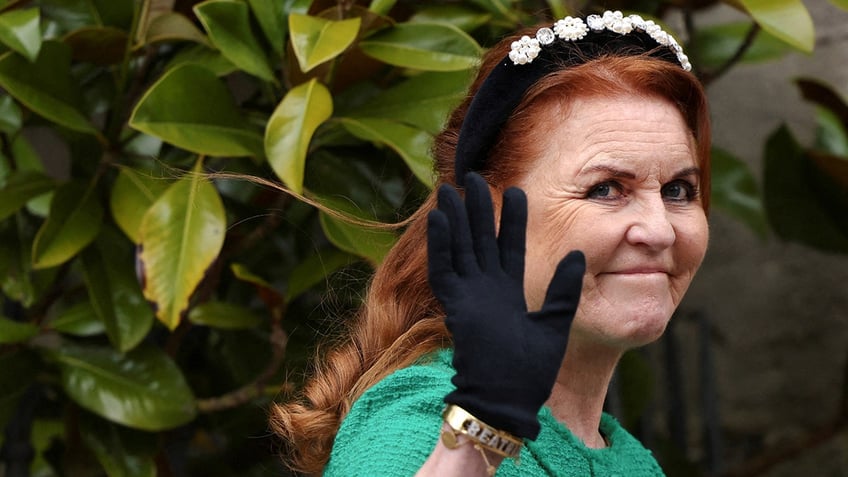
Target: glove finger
[(563, 293), (440, 271), (478, 202), (462, 253), (512, 234)]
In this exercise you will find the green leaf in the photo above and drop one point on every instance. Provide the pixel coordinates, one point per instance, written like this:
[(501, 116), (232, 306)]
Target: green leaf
[(501, 8), (191, 108), (133, 192), (46, 86), (227, 316), (291, 127), (181, 236), (78, 320), (117, 299), (413, 145), (370, 243), (381, 7), (122, 452), (316, 40), (715, 45), (15, 332), (787, 20), (464, 18), (20, 188), (423, 101), (10, 116), (316, 268), (142, 389), (271, 18), (19, 281), (792, 196), (843, 4), (228, 24), (74, 221), (200, 55), (424, 46), (19, 370), (267, 293), (831, 136), (558, 8), (735, 192), (98, 45), (823, 95), (20, 30), (173, 26)]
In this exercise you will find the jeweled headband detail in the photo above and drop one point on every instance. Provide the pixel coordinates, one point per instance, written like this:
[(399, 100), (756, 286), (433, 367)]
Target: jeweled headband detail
[(526, 49)]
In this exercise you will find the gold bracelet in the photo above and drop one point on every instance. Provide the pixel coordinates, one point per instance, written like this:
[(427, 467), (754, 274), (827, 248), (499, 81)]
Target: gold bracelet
[(462, 422)]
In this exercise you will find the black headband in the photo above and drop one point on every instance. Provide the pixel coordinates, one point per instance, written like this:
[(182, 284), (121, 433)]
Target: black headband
[(506, 85)]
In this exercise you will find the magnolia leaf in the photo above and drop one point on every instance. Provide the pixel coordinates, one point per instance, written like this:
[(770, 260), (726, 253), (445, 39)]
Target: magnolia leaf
[(74, 222), (46, 86), (203, 56), (20, 30), (133, 192), (15, 332), (413, 145), (316, 268), (78, 320), (10, 116), (108, 269), (423, 101), (735, 192), (142, 389), (462, 17), (173, 26), (20, 368), (424, 46), (823, 95), (20, 188), (181, 236), (191, 108), (843, 4), (715, 45), (381, 7), (501, 8), (831, 136), (271, 18), (370, 243), (291, 127), (227, 316), (98, 45), (316, 40), (121, 452), (269, 295), (228, 24), (787, 20)]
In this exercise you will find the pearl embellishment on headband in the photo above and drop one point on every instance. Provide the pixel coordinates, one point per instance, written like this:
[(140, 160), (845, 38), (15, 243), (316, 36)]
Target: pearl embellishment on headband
[(526, 49)]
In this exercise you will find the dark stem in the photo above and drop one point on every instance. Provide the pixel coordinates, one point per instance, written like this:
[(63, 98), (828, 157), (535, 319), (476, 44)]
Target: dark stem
[(710, 76)]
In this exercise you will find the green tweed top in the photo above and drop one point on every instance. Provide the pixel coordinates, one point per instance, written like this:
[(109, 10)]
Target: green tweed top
[(392, 428)]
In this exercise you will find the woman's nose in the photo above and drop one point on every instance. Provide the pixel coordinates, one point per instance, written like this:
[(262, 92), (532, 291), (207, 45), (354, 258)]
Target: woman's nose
[(650, 225)]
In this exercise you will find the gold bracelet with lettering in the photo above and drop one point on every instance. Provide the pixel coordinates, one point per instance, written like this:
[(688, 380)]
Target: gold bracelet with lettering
[(462, 422)]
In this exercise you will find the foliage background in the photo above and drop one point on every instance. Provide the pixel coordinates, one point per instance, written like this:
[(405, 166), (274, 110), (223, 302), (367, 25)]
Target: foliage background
[(151, 306)]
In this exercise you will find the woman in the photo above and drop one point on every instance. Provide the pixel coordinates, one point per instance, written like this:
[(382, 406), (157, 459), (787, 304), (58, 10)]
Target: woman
[(593, 138)]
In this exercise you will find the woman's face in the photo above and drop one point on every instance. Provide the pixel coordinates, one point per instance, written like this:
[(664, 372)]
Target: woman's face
[(617, 178)]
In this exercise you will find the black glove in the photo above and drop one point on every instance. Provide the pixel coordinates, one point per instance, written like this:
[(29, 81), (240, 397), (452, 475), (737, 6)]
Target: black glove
[(506, 359)]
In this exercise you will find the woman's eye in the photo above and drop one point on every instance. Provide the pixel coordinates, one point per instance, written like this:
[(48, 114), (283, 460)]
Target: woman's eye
[(679, 191), (604, 190)]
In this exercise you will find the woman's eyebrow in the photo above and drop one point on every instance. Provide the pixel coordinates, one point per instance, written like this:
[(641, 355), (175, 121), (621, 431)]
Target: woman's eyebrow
[(608, 170), (689, 171)]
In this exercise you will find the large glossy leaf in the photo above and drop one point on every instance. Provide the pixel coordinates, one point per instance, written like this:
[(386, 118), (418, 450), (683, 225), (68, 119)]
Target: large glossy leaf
[(831, 136), (74, 221), (142, 389), (381, 7), (822, 94), (228, 316), (19, 281), (267, 293), (78, 320), (792, 196), (424, 46), (423, 101), (228, 24), (501, 8), (191, 108), (367, 242), (46, 86), (840, 3), (291, 127), (122, 452), (20, 188), (207, 58), (173, 26), (271, 17), (117, 299), (10, 116), (715, 45), (788, 20), (316, 40), (181, 235), (133, 192), (462, 17), (15, 332), (413, 145), (98, 45), (20, 30), (735, 192), (315, 269)]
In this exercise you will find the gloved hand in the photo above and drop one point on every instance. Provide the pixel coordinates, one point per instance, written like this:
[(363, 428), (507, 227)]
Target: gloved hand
[(506, 358)]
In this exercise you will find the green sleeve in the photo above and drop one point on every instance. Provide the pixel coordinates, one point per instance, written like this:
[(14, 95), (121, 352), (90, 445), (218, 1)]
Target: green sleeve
[(393, 427)]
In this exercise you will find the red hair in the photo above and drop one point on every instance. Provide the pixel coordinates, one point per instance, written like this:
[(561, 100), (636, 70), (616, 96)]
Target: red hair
[(401, 320)]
